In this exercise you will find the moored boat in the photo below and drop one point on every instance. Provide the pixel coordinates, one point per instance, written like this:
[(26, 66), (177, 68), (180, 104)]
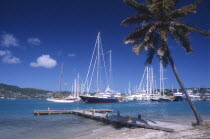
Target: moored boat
[(94, 99), (155, 99), (178, 97), (164, 100), (60, 100), (99, 73)]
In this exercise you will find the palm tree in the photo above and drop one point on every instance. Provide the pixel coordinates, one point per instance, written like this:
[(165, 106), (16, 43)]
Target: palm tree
[(156, 21)]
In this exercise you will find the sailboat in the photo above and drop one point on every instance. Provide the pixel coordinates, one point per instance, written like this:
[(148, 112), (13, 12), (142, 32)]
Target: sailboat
[(60, 99), (163, 97), (97, 63), (147, 87), (178, 96)]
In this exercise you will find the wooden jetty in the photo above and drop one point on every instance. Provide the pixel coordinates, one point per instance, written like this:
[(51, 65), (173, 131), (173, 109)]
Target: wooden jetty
[(48, 111), (103, 115)]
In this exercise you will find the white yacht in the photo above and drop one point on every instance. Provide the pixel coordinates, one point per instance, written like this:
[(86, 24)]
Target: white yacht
[(60, 99), (97, 71)]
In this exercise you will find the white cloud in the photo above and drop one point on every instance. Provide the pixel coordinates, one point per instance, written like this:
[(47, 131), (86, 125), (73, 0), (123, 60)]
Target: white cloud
[(8, 58), (2, 53), (71, 54), (34, 41), (44, 61), (8, 40)]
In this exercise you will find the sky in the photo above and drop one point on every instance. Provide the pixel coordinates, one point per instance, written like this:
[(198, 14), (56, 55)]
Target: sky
[(36, 36)]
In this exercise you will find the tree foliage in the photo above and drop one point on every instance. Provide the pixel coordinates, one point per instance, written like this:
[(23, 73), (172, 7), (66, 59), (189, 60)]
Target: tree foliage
[(156, 20)]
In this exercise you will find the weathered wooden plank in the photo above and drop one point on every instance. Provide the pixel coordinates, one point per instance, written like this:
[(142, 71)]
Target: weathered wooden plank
[(137, 122)]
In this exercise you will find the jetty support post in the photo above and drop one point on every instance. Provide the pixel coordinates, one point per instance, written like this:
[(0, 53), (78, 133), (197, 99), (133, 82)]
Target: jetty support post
[(128, 120), (118, 113), (93, 112), (139, 116), (107, 115), (48, 108), (83, 113)]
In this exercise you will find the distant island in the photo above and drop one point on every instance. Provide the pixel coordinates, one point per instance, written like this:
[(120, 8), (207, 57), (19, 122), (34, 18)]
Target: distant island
[(11, 91)]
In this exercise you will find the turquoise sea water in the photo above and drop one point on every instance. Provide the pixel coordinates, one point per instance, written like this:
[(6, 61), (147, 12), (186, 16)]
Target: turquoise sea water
[(17, 119)]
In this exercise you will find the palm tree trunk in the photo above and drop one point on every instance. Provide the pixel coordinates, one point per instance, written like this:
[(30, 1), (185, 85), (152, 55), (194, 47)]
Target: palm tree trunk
[(197, 115)]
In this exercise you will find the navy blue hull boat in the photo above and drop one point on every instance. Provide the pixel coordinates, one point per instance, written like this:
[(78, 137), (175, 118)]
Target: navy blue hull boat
[(91, 99)]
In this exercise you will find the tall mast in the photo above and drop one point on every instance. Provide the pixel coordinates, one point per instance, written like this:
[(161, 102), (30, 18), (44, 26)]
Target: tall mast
[(94, 70), (82, 88), (160, 77), (75, 87), (147, 85), (152, 81), (110, 67), (78, 86), (156, 87), (129, 87), (162, 86), (98, 63), (60, 82), (72, 89), (172, 88), (163, 80), (141, 82), (86, 84)]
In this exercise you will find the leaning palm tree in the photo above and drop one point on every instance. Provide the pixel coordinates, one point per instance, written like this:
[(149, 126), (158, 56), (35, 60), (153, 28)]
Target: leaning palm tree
[(156, 22)]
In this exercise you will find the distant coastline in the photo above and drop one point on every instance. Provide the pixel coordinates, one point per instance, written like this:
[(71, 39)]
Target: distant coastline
[(12, 91)]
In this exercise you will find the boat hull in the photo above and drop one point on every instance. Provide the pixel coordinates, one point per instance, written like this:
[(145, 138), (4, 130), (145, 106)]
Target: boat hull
[(164, 100), (178, 98), (152, 99), (88, 99), (60, 100)]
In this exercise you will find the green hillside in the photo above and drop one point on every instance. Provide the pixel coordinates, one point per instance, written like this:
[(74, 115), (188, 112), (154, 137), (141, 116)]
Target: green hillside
[(11, 91)]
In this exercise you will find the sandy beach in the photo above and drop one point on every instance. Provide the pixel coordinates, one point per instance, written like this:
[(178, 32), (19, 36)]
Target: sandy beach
[(141, 133)]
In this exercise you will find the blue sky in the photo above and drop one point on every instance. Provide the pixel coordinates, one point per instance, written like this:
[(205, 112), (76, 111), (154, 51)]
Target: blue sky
[(38, 35)]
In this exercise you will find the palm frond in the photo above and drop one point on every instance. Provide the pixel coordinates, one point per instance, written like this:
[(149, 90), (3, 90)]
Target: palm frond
[(164, 60), (182, 12), (203, 32), (138, 7), (161, 7), (156, 19), (163, 42), (138, 48), (162, 52), (150, 55), (137, 19), (181, 36), (151, 30), (137, 34)]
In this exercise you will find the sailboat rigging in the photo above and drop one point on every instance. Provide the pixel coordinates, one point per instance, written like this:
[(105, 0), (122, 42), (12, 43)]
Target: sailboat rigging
[(97, 64), (60, 99)]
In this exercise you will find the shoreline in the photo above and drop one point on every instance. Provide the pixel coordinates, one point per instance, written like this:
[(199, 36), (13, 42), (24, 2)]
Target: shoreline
[(142, 133), (17, 120)]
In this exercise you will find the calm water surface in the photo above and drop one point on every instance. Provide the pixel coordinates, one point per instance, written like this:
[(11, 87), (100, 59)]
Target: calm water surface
[(17, 119)]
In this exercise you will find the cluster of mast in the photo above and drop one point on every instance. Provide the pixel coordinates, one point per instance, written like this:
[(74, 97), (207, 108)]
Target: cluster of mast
[(148, 84)]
